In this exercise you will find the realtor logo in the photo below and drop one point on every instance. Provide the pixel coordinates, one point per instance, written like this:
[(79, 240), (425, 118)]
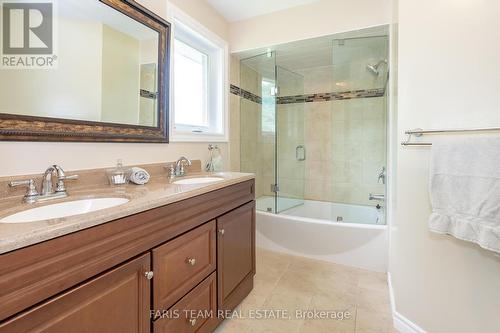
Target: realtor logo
[(28, 34)]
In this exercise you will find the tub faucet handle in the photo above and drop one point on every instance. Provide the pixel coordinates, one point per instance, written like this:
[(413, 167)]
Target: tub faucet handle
[(381, 176)]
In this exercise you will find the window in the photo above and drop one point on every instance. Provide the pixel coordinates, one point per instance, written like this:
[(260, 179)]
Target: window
[(199, 83), (191, 86), (268, 108)]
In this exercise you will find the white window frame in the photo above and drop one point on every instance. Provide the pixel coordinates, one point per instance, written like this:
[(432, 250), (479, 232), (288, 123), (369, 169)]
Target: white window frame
[(218, 96)]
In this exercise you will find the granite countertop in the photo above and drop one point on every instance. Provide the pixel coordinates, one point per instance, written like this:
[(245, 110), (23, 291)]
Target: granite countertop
[(158, 192)]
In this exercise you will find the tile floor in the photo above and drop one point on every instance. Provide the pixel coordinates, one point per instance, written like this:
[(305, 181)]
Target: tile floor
[(285, 282)]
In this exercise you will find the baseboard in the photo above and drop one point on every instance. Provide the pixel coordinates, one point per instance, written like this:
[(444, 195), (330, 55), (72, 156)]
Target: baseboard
[(400, 322)]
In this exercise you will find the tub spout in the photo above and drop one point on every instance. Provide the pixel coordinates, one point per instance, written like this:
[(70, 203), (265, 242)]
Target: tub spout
[(376, 197)]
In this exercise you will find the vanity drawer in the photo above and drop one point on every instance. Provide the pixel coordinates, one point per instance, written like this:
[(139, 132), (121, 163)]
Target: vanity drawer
[(196, 312), (182, 263)]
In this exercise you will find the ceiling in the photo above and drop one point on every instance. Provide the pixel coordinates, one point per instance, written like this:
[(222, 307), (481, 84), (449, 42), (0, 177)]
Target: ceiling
[(237, 10), (316, 52)]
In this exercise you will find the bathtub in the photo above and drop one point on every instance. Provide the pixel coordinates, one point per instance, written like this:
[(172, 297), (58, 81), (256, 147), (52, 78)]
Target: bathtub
[(352, 235)]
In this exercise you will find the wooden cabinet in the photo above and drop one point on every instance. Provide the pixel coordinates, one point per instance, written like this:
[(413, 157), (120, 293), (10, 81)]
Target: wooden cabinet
[(181, 264), (116, 301), (235, 255), (201, 251), (195, 312)]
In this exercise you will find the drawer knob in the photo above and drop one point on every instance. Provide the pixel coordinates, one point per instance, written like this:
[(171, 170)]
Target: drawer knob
[(192, 321), (149, 275), (191, 261), (221, 231)]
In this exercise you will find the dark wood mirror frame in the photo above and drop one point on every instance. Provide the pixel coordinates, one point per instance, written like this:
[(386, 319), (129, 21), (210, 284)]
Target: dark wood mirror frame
[(31, 128)]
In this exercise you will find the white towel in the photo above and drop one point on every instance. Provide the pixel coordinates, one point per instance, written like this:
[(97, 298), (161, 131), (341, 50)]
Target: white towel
[(465, 189)]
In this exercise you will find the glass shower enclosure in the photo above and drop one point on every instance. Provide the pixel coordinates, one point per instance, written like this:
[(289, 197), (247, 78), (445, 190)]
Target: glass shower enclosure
[(272, 133), (314, 124)]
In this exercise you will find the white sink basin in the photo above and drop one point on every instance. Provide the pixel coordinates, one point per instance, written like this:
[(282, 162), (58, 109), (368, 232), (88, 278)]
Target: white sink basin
[(199, 180), (63, 209)]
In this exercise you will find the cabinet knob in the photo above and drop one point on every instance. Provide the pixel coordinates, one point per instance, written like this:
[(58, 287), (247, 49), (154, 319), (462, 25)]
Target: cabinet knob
[(192, 321), (221, 231), (149, 275), (191, 261)]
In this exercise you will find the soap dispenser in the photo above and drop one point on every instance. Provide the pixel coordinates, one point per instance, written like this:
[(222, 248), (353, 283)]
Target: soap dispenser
[(119, 175)]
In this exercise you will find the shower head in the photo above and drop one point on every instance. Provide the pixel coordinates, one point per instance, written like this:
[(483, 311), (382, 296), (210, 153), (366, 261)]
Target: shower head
[(375, 69)]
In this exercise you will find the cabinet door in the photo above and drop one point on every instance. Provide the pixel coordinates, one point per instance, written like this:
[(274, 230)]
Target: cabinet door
[(235, 255), (116, 301)]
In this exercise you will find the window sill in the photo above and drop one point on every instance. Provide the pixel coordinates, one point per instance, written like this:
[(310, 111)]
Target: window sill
[(194, 137)]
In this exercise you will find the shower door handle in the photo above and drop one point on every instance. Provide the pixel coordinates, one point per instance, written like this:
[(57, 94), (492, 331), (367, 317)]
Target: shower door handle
[(298, 156)]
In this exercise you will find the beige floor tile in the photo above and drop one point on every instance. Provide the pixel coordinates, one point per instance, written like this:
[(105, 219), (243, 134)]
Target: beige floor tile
[(389, 330), (334, 302), (327, 326), (283, 298), (372, 280), (285, 282), (372, 321), (276, 326), (270, 265), (234, 326), (332, 282), (373, 300), (297, 283)]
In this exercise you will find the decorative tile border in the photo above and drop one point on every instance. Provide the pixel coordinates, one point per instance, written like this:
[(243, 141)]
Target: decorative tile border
[(245, 94), (235, 90), (334, 96), (148, 94), (310, 98)]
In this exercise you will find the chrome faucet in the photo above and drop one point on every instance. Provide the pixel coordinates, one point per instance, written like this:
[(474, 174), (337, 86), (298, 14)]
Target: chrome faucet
[(48, 192), (47, 186), (381, 176), (177, 169)]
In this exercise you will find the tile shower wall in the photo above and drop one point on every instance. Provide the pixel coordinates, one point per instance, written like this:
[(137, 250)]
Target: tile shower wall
[(346, 149), (346, 138), (257, 147)]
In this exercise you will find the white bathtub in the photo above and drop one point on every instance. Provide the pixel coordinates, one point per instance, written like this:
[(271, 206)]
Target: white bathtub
[(311, 230)]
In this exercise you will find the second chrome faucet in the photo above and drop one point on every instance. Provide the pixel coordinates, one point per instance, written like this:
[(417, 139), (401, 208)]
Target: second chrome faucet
[(177, 169)]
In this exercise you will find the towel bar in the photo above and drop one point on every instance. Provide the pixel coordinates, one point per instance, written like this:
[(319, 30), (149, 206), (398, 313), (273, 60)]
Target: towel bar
[(418, 132)]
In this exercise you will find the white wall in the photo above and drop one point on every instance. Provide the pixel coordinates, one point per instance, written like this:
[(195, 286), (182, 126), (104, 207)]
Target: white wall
[(18, 158), (448, 77), (201, 11), (320, 18)]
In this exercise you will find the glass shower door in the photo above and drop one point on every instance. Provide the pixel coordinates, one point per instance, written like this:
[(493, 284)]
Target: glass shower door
[(359, 127), (258, 126), (290, 148)]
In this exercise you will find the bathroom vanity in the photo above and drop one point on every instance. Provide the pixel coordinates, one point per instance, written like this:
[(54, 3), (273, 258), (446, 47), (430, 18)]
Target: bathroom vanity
[(176, 258)]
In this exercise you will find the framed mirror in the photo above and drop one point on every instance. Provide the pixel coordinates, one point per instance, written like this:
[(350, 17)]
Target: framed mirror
[(84, 70)]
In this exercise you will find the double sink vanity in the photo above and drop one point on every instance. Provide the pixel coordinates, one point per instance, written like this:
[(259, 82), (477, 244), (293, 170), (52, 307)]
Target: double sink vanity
[(173, 255)]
